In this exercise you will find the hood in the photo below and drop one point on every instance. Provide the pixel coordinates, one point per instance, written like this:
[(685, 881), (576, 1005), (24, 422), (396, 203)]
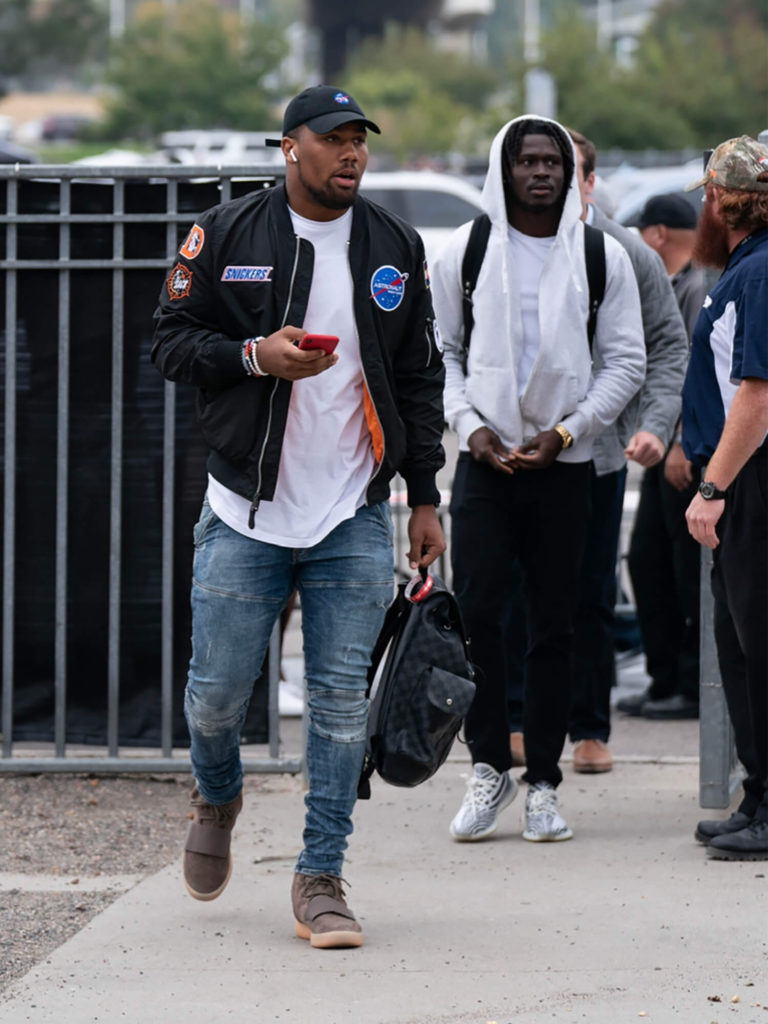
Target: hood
[(493, 188)]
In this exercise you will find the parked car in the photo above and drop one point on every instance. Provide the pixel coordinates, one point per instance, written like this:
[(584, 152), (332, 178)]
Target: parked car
[(434, 203), (214, 147), (634, 187), (10, 153), (65, 127)]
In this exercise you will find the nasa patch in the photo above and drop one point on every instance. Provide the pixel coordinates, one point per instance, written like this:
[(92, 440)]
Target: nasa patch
[(341, 97), (247, 273), (193, 244), (179, 281), (388, 288)]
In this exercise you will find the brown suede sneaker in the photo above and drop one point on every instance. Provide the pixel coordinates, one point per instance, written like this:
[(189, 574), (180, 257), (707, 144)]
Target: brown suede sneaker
[(207, 860), (591, 757), (322, 914), (517, 746)]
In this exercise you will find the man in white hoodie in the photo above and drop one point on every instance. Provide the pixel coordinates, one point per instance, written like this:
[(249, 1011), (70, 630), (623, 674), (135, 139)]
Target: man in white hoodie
[(525, 401)]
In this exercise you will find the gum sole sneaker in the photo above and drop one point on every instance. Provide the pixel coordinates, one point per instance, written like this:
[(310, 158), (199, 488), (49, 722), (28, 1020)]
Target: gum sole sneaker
[(321, 912), (592, 757), (517, 747), (207, 861), (488, 793)]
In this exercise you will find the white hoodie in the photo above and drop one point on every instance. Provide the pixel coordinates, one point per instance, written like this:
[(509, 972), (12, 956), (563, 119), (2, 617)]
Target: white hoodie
[(565, 385)]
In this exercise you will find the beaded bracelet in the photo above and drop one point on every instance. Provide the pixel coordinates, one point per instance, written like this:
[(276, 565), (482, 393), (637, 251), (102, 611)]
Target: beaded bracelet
[(250, 359)]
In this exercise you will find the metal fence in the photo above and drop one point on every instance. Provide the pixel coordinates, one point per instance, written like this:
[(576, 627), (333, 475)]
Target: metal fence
[(55, 220), (50, 231)]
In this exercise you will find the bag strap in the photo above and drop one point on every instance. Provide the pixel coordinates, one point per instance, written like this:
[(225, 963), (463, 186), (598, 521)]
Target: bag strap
[(388, 630), (470, 269), (594, 257)]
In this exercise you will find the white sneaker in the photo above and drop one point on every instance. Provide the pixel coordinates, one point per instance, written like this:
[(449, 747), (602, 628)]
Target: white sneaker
[(543, 821), (290, 694), (488, 792)]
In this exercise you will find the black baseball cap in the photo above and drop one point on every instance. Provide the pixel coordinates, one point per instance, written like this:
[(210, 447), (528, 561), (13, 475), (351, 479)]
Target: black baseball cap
[(322, 108), (673, 211)]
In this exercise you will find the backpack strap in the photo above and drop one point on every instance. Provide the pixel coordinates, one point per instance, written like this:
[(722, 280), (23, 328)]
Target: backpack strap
[(594, 256), (388, 630), (470, 268)]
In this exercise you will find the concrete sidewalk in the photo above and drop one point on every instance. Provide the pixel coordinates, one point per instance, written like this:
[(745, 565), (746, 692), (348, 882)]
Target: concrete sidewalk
[(629, 921)]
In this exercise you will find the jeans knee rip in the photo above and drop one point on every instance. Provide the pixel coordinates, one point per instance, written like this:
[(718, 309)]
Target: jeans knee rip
[(338, 715), (210, 720)]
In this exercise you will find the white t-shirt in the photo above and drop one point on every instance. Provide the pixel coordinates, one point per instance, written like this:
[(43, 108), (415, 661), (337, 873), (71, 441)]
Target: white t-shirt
[(527, 256), (327, 457)]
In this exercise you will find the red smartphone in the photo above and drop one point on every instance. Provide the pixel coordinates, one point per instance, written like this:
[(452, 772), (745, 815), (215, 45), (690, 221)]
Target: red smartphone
[(327, 342)]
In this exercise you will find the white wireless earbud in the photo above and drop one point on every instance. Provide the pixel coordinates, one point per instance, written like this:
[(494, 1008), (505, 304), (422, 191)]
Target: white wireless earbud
[(293, 156)]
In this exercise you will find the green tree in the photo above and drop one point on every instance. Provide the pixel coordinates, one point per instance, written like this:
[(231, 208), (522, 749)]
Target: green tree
[(193, 66), (50, 38), (699, 75), (711, 64), (427, 102), (600, 98)]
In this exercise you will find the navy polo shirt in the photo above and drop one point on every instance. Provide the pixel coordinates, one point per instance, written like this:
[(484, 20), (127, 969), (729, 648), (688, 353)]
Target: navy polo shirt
[(730, 342)]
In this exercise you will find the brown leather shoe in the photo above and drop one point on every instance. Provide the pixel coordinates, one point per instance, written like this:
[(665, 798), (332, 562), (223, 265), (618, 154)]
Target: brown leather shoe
[(322, 914), (517, 746), (207, 860), (590, 757)]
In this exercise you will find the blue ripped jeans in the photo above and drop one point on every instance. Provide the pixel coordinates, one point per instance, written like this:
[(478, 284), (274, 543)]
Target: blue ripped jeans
[(239, 588)]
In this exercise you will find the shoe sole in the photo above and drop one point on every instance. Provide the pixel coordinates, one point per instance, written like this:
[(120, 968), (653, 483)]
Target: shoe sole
[(206, 897), (592, 769), (477, 836), (717, 854), (548, 839), (329, 940), (659, 716)]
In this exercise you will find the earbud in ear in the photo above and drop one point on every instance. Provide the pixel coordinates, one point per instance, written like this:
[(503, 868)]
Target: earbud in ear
[(293, 156)]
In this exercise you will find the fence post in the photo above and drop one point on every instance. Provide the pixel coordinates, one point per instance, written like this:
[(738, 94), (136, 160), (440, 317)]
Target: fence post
[(718, 770)]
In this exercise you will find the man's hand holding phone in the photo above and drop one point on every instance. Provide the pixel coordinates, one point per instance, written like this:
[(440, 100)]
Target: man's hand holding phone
[(293, 354), (326, 342)]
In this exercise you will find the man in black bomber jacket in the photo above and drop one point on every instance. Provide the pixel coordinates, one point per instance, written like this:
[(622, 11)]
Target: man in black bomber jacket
[(303, 444)]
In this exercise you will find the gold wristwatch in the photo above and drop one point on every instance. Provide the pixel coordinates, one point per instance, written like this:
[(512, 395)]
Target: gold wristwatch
[(565, 435)]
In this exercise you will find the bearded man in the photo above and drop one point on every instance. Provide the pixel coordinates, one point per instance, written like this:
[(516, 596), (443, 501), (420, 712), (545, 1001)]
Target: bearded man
[(725, 426)]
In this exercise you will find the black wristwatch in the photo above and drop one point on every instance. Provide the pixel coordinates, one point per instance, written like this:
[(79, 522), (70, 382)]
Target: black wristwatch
[(709, 491)]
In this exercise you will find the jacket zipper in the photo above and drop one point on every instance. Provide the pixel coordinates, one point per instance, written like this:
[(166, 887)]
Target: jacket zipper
[(257, 496), (431, 339)]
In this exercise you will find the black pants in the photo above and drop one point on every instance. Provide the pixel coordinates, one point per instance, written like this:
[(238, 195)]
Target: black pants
[(740, 589), (664, 565), (595, 619), (538, 517)]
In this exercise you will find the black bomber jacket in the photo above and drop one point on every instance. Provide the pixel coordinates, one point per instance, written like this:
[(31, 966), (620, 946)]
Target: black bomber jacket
[(243, 273)]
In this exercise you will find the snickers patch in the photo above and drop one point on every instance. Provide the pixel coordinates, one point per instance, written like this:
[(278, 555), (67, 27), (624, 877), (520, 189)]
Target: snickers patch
[(232, 274), (193, 245), (179, 281)]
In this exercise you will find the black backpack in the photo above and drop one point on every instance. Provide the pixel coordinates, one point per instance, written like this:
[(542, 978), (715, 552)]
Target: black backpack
[(594, 258), (421, 680)]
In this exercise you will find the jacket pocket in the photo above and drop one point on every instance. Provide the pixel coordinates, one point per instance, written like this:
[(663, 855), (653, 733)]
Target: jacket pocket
[(231, 421)]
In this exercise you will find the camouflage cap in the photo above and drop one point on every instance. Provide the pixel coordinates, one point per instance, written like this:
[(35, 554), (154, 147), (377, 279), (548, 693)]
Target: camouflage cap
[(737, 164)]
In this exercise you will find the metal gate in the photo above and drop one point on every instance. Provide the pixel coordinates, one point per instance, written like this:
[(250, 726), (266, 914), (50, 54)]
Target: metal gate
[(50, 208)]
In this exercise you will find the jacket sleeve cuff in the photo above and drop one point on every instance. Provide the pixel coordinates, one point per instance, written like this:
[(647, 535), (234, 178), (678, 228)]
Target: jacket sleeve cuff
[(422, 489)]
